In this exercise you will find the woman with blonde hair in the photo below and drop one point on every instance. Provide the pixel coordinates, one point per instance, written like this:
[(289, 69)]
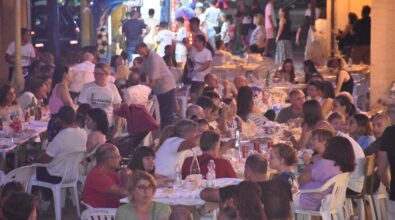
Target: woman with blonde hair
[(257, 39), (141, 190)]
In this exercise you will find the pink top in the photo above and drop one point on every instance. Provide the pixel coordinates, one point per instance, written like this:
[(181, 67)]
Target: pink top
[(55, 103)]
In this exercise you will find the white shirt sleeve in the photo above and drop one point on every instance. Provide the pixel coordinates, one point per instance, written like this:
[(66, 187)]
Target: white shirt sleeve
[(117, 96), (83, 97), (53, 147), (11, 49)]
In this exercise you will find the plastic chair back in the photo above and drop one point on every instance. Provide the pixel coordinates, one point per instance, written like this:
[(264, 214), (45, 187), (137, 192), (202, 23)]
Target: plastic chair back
[(71, 168), (337, 198), (21, 174), (99, 214)]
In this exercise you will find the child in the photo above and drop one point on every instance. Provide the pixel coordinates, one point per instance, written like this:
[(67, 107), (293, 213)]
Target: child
[(225, 34), (318, 142), (338, 121), (165, 37), (360, 128)]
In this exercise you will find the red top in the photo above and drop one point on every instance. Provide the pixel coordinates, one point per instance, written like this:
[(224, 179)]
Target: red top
[(97, 187), (223, 168), (137, 117)]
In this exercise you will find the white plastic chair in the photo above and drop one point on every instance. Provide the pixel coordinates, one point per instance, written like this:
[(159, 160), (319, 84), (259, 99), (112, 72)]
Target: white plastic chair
[(331, 204), (99, 214), (21, 174), (183, 101), (69, 180)]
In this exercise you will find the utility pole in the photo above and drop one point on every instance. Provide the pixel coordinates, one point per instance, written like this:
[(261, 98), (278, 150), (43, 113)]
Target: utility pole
[(53, 27), (18, 40)]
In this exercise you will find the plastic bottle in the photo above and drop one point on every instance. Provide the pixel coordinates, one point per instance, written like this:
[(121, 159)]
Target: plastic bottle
[(211, 175), (178, 177)]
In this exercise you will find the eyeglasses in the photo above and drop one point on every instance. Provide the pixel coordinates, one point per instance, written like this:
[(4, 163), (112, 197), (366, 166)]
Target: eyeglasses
[(144, 187)]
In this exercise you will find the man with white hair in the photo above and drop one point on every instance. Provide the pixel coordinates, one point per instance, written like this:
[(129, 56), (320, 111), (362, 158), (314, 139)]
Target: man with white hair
[(82, 74)]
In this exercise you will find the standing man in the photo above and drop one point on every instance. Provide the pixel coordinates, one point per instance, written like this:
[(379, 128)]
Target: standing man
[(151, 23), (361, 49), (161, 82), (28, 54), (270, 25), (134, 30)]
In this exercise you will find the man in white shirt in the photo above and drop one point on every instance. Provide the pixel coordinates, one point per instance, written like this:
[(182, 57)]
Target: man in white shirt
[(70, 139), (213, 15), (165, 37), (136, 93), (151, 22), (82, 74), (101, 94), (174, 149), (28, 53)]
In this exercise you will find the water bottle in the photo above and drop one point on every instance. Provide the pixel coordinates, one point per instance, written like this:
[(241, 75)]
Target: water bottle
[(210, 176), (178, 177)]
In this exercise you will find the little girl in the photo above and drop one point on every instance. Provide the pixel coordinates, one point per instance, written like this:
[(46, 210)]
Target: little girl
[(360, 128)]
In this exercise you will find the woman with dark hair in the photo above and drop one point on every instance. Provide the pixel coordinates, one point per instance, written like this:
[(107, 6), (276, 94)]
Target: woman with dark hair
[(343, 105), (96, 121), (337, 158), (247, 200), (328, 90), (82, 111), (287, 72), (8, 102), (20, 206), (141, 190), (360, 128), (60, 96), (315, 90), (143, 159), (310, 72), (344, 80), (312, 113), (284, 35), (245, 104)]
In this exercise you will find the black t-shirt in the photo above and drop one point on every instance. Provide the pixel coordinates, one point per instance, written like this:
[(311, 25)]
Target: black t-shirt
[(387, 145), (362, 31)]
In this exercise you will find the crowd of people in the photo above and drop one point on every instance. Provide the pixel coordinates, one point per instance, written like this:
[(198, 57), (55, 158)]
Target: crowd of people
[(90, 103)]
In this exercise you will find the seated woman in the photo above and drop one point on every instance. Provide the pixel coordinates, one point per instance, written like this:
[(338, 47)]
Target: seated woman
[(310, 72), (96, 121), (315, 90), (343, 105), (344, 80), (142, 187), (144, 160), (287, 72), (360, 128), (249, 120), (8, 103), (228, 113), (257, 39), (282, 158), (312, 113), (337, 158)]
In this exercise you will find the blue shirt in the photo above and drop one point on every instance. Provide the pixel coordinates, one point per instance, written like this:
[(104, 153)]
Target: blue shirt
[(133, 28)]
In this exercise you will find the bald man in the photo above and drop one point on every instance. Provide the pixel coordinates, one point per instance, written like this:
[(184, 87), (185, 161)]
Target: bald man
[(240, 81), (136, 93), (82, 74), (103, 186)]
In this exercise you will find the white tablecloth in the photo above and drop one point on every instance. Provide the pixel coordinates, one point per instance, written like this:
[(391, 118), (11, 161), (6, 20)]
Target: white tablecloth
[(185, 195)]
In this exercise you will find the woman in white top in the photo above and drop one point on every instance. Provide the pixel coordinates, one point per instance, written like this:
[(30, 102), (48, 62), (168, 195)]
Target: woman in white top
[(8, 102), (257, 40), (315, 90), (35, 91), (317, 47)]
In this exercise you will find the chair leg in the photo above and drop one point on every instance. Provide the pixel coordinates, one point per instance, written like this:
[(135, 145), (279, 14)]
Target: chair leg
[(64, 195), (373, 210), (57, 197), (76, 200), (348, 209), (361, 209)]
